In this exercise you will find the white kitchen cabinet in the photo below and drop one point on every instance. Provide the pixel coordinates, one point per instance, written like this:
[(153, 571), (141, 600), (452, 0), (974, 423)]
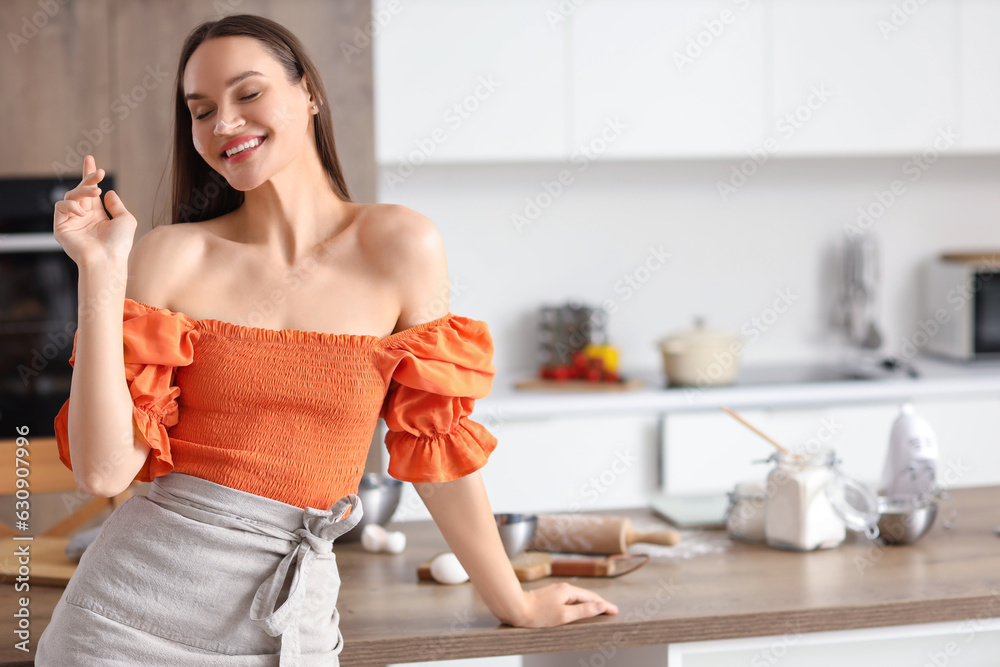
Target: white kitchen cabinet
[(857, 77), (526, 80), (683, 78), (709, 452), (969, 643), (468, 81), (979, 70), (575, 464)]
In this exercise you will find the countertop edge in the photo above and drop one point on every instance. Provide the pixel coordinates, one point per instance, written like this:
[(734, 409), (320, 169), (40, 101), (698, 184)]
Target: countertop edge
[(606, 631)]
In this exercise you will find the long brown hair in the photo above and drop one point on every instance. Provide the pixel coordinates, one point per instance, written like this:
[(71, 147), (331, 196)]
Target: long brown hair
[(201, 193)]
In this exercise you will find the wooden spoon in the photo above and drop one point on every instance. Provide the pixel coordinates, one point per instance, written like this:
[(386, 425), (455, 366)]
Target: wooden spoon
[(756, 430)]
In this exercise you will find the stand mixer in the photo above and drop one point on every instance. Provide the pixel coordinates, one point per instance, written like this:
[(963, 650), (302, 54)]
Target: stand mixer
[(910, 469)]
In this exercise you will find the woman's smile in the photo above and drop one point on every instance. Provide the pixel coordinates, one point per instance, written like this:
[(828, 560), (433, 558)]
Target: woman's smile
[(242, 148)]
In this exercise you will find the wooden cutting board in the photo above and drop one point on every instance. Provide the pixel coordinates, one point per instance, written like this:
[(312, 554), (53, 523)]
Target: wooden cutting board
[(532, 565), (541, 384), (47, 561)]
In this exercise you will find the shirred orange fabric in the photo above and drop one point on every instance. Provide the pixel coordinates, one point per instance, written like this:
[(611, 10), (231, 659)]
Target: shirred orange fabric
[(289, 414)]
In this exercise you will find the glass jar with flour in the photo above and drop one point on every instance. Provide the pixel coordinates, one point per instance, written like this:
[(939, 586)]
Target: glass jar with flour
[(811, 503)]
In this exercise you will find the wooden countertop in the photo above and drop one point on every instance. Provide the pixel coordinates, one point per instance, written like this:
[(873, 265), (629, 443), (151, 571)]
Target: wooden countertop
[(737, 590)]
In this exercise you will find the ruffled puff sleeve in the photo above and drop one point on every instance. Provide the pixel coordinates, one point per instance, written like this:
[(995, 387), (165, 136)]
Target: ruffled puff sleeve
[(435, 372), (156, 342)]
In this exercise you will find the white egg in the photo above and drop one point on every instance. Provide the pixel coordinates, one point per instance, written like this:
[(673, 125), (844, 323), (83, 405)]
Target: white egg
[(373, 537), (446, 569), (395, 542)]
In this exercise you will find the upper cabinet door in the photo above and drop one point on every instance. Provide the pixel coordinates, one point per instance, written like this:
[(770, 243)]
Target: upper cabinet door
[(457, 80), (667, 78), (980, 75), (863, 76)]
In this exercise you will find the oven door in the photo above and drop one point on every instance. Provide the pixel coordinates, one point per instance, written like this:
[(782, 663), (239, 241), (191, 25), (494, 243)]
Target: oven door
[(38, 312), (986, 321)]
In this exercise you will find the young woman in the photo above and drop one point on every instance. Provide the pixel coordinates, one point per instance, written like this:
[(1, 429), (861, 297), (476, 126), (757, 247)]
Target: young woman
[(288, 319)]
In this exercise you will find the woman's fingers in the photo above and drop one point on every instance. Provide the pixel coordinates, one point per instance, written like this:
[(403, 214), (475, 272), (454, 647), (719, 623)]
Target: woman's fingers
[(89, 166), (116, 207), (575, 596), (581, 603), (68, 207), (83, 191), (575, 612), (564, 603)]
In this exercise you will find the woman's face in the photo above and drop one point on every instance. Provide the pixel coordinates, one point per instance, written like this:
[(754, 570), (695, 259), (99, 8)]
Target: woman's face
[(260, 106)]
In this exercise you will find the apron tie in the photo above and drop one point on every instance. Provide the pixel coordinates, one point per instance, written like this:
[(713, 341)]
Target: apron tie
[(314, 538)]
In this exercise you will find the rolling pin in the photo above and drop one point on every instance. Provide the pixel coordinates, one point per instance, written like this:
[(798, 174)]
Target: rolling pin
[(532, 565), (589, 534)]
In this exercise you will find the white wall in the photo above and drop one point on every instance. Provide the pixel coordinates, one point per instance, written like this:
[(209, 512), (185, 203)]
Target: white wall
[(780, 231)]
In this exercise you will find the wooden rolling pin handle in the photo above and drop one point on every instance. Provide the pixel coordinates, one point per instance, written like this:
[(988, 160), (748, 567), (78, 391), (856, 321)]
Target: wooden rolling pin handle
[(667, 538)]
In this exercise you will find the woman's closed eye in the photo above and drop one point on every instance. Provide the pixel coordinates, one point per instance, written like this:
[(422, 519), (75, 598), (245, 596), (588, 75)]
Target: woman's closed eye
[(246, 98)]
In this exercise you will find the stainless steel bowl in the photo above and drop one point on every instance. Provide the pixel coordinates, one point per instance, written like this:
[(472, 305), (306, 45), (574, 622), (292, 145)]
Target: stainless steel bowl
[(516, 531), (905, 520), (379, 496)]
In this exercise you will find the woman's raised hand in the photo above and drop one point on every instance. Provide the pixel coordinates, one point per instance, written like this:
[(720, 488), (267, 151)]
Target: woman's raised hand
[(84, 230)]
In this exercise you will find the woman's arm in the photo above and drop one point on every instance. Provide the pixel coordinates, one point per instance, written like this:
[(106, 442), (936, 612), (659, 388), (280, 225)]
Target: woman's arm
[(409, 248), (104, 450), (462, 511)]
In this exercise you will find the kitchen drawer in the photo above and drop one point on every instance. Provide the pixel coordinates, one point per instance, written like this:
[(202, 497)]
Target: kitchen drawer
[(709, 452), (563, 464), (970, 643)]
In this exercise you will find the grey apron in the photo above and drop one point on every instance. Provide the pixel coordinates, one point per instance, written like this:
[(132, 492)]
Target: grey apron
[(198, 573)]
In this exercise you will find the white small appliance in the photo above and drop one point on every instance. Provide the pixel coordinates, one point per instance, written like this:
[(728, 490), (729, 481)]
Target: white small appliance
[(961, 313), (911, 463)]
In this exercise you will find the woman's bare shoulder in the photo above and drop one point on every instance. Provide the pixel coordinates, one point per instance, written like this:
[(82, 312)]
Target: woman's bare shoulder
[(409, 252), (161, 255), (396, 237)]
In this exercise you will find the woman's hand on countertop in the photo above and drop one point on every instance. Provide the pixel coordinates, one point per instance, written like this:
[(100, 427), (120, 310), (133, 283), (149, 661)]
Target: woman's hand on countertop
[(557, 604)]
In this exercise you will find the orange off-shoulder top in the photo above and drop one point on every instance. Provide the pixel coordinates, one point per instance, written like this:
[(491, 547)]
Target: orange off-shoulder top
[(290, 414)]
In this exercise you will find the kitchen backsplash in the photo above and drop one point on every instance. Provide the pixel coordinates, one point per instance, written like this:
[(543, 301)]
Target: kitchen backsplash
[(657, 244)]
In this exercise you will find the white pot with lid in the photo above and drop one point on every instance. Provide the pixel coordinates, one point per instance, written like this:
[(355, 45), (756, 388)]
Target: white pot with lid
[(701, 356)]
